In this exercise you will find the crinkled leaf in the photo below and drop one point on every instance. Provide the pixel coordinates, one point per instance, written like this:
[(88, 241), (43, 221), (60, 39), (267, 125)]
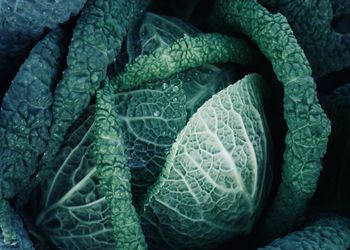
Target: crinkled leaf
[(74, 167), (26, 115), (113, 173), (326, 233), (74, 214), (24, 22), (308, 126), (326, 49), (215, 176), (185, 53), (96, 40), (151, 117), (149, 143)]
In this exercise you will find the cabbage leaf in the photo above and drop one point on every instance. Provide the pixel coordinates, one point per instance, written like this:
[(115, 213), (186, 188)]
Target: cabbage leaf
[(23, 23), (326, 233), (308, 126), (215, 178), (25, 119), (96, 40)]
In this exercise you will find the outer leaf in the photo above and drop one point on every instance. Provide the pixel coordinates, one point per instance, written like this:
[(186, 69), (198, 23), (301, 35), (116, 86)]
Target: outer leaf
[(185, 53), (308, 126), (23, 23), (214, 180), (71, 195), (25, 118), (26, 114), (311, 21), (113, 174), (327, 233), (23, 241), (96, 40), (74, 214)]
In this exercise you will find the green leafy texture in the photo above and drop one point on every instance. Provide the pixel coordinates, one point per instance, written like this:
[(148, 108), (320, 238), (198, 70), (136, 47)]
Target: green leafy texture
[(311, 21), (308, 126), (96, 40), (185, 53), (73, 213), (23, 242), (155, 31), (71, 191), (326, 233), (23, 23), (151, 117), (214, 180), (201, 83), (26, 114), (149, 33), (113, 173), (25, 118), (333, 186)]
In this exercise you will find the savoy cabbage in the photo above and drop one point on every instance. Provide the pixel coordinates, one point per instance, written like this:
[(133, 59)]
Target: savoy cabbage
[(151, 116), (174, 124)]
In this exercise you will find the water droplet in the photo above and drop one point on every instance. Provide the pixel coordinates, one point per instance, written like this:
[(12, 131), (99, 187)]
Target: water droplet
[(175, 88), (94, 77), (156, 113), (175, 99), (164, 85)]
